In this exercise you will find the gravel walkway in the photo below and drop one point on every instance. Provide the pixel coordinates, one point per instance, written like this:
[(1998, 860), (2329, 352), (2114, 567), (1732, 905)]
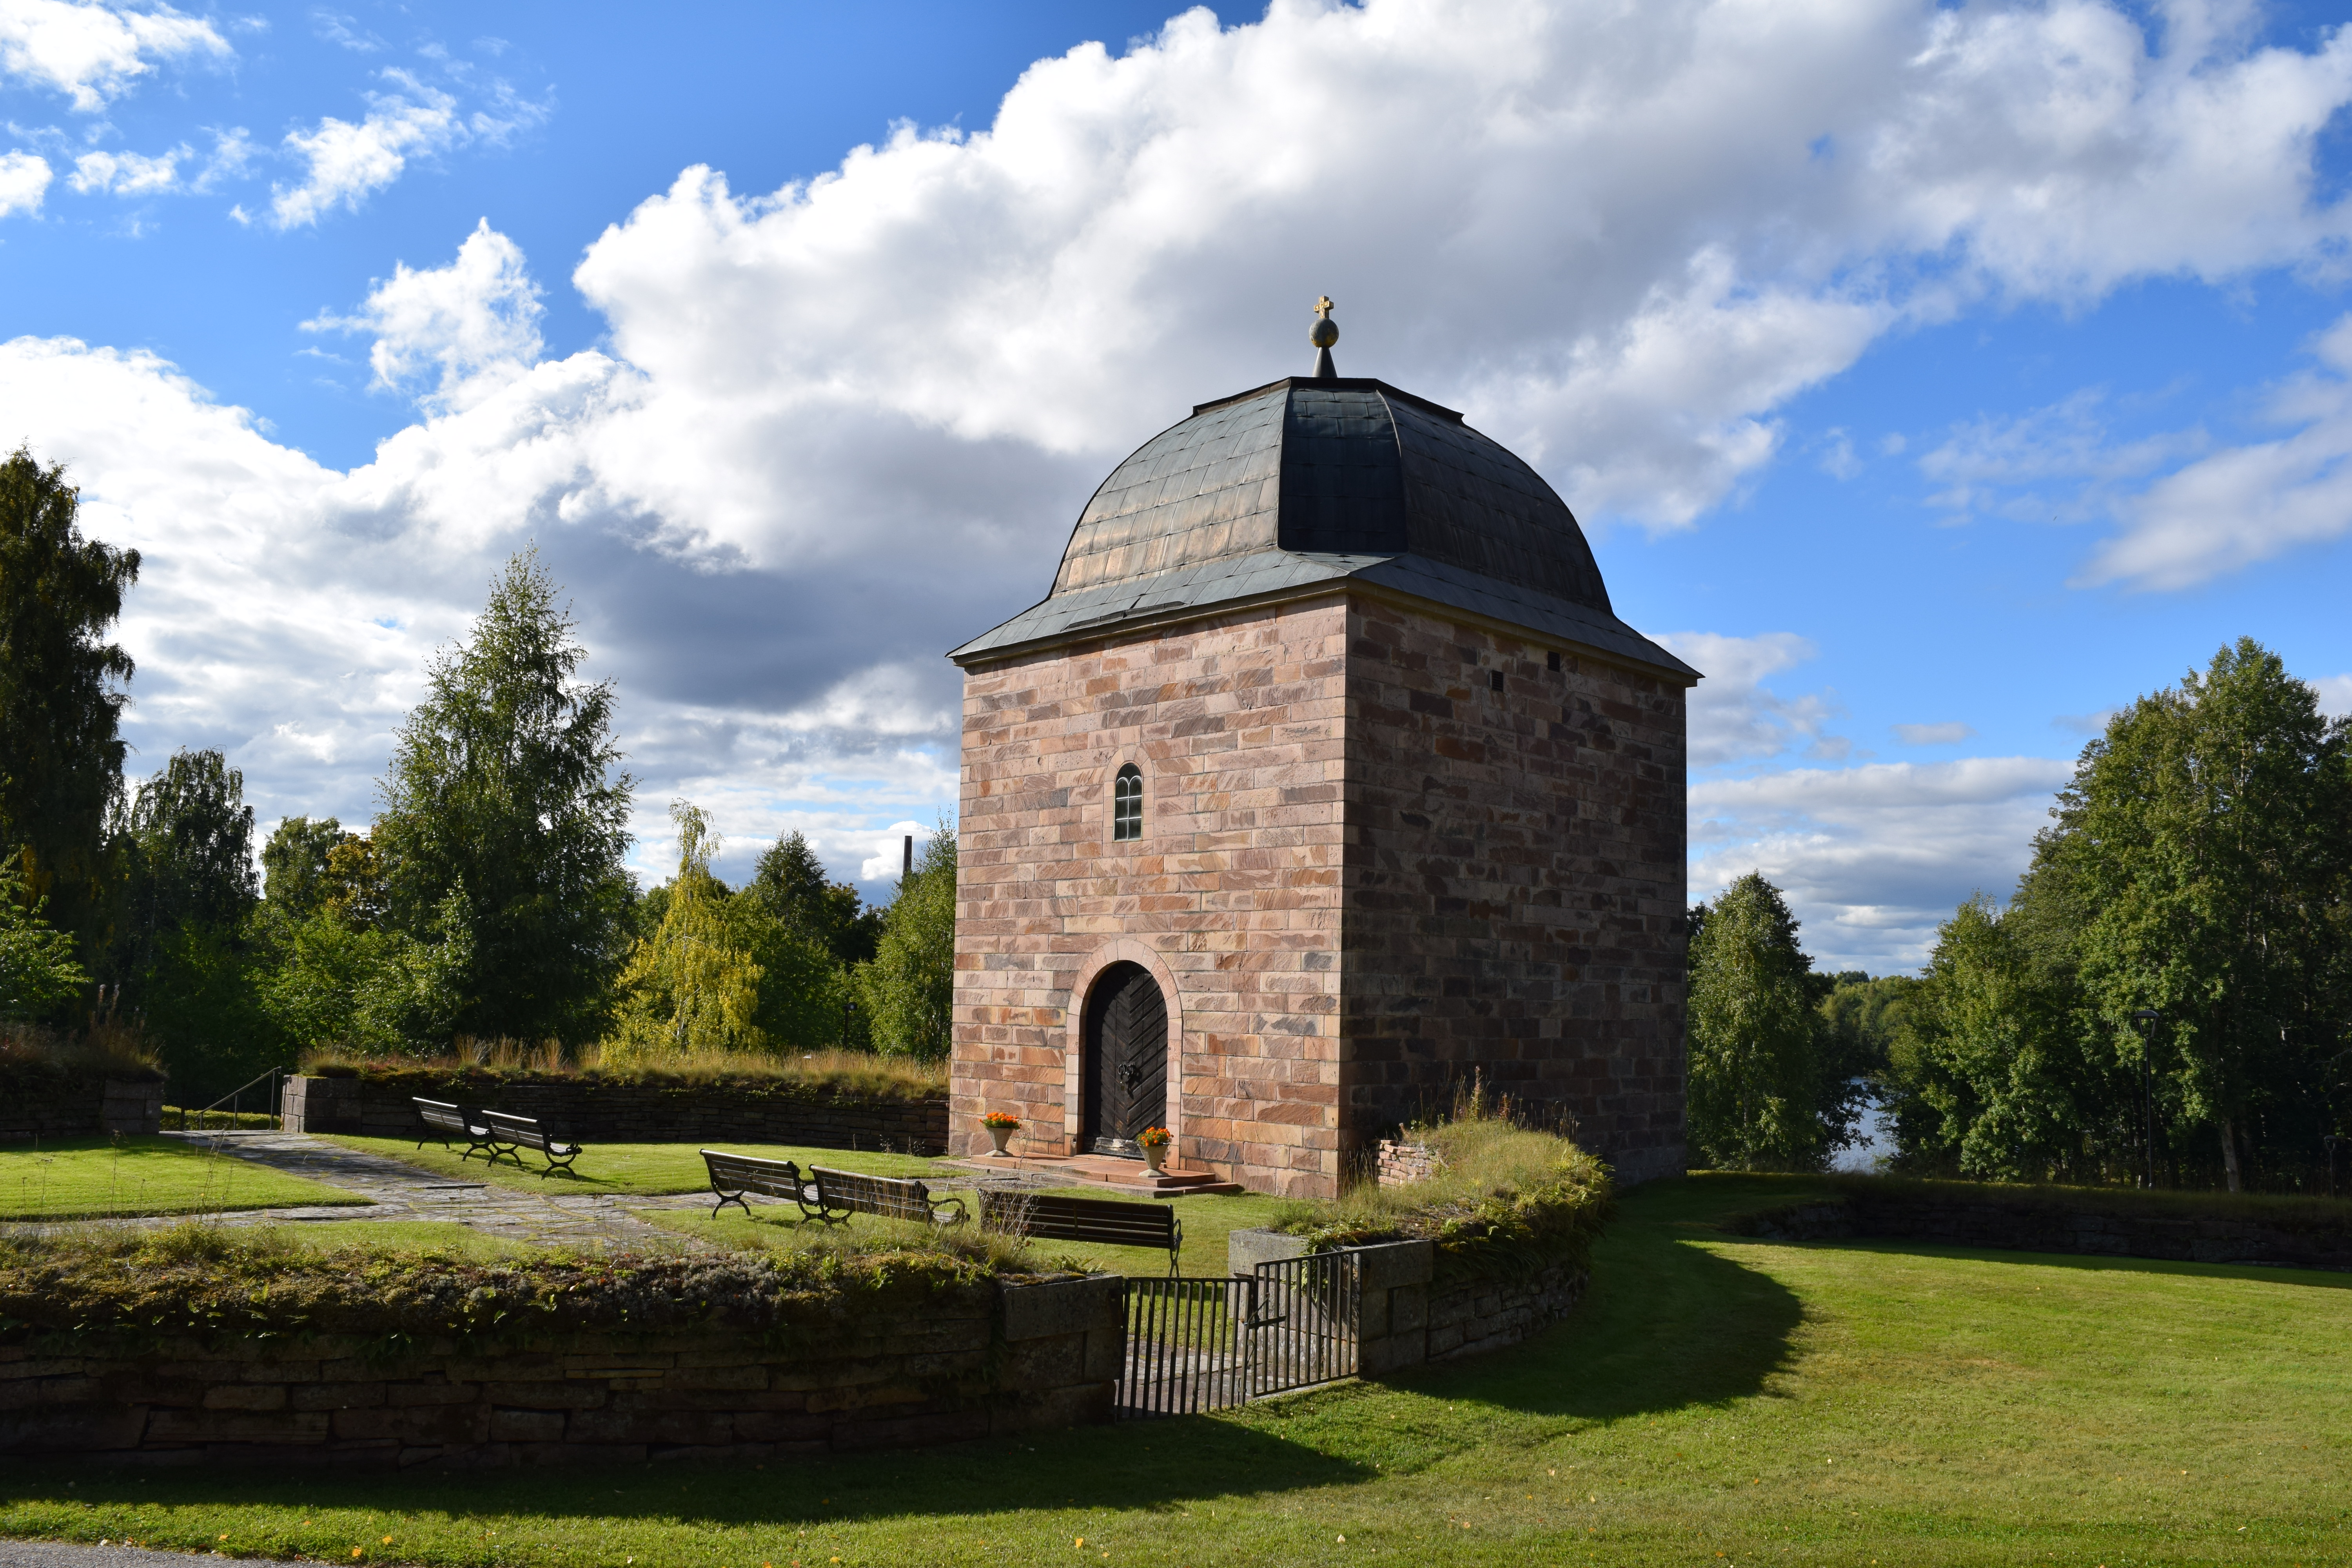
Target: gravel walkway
[(399, 1191), (65, 1555)]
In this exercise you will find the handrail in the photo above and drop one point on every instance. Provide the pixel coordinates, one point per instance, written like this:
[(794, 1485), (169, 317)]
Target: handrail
[(235, 1098)]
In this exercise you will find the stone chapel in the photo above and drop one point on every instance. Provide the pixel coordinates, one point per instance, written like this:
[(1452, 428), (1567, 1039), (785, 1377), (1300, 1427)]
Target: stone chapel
[(1324, 778)]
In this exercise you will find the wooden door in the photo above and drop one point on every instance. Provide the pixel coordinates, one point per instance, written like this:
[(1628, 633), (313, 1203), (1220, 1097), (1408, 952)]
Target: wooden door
[(1127, 1059)]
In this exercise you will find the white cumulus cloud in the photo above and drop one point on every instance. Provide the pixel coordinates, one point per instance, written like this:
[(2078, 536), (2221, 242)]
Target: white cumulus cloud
[(474, 322), (1873, 857), (24, 180), (129, 173), (1734, 717), (344, 163), (93, 52), (1945, 734), (841, 425)]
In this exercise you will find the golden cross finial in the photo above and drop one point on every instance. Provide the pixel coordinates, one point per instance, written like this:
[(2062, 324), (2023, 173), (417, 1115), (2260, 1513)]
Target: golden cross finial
[(1323, 306)]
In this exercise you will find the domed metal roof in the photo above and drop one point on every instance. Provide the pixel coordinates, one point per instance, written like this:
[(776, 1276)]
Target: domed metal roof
[(1304, 482)]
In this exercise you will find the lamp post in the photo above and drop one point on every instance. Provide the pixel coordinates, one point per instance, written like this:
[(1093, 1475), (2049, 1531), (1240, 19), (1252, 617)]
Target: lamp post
[(848, 1013), (2145, 1018), (2334, 1142)]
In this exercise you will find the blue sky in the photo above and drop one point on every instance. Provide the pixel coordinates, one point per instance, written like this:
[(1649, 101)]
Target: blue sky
[(1934, 378)]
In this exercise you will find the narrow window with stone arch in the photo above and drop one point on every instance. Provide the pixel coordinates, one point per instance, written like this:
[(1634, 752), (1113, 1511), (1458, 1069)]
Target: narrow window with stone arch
[(1127, 805)]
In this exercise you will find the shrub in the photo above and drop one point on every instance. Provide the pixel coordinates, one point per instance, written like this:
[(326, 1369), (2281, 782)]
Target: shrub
[(844, 1075), (1510, 1200)]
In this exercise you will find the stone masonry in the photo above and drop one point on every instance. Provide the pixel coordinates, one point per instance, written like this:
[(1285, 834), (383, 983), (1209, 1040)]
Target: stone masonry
[(1366, 873), (1035, 1356), (1513, 884), (1231, 897)]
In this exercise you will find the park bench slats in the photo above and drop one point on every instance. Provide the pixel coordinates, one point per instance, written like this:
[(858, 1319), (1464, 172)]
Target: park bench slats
[(510, 1132), (840, 1194), (732, 1175), (441, 1119), (1105, 1222)]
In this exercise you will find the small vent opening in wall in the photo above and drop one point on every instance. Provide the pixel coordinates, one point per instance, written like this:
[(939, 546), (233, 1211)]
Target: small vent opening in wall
[(1551, 662), (1495, 680)]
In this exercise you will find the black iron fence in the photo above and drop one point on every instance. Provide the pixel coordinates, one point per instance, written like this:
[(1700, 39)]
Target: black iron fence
[(1196, 1344)]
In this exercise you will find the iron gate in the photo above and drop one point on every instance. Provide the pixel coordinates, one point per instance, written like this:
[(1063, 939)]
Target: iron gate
[(1208, 1344)]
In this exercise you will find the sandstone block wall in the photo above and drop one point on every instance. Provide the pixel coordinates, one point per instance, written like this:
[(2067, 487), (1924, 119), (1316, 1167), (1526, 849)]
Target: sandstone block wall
[(1516, 886), (1367, 874), (1231, 896), (1027, 1356), (632, 1113)]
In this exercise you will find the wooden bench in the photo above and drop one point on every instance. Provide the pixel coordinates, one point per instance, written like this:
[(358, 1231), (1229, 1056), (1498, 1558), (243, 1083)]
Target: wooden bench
[(510, 1132), (732, 1175), (1106, 1222), (837, 1194), (440, 1120)]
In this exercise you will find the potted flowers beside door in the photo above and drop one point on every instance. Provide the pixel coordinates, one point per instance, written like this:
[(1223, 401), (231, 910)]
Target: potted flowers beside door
[(1154, 1143), (1002, 1125)]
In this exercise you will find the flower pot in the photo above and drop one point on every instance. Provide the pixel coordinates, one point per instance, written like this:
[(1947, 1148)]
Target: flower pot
[(1002, 1135), (1156, 1156)]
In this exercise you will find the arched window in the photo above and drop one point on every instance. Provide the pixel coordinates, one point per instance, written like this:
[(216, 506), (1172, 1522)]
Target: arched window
[(1127, 803)]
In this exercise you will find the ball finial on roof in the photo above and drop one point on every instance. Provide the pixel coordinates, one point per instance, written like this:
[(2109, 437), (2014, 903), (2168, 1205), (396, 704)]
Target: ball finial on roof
[(1323, 334)]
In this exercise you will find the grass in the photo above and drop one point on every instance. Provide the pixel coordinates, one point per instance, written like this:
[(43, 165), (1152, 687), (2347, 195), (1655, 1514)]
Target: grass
[(103, 1177), (641, 1170), (1715, 1401), (444, 1236), (1207, 1221)]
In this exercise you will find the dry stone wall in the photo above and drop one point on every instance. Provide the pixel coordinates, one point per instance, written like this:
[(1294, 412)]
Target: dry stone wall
[(602, 1112), (1016, 1357), (60, 1106)]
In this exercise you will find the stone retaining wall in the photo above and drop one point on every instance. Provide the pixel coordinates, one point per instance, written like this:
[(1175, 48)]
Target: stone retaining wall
[(79, 1108), (1407, 1317), (1401, 1165), (602, 1112), (2039, 1226), (1018, 1357)]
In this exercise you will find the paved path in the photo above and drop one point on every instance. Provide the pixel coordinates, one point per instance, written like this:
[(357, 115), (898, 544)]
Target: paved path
[(64, 1554), (396, 1190)]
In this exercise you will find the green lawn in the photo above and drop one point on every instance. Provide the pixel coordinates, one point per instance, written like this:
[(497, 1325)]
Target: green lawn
[(641, 1169), (1207, 1220), (89, 1178), (1715, 1402)]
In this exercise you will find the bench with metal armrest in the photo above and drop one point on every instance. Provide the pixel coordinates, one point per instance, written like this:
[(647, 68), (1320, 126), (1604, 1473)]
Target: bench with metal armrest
[(837, 1194), (732, 1175), (1106, 1222), (439, 1119), (510, 1132)]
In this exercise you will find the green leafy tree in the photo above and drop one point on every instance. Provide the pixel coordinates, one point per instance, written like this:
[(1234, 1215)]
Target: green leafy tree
[(183, 955), (502, 787), (335, 981), (909, 988), (38, 973), (294, 873), (2207, 835), (793, 884), (689, 987), (1759, 1096), (1994, 1082), (61, 697), (190, 835)]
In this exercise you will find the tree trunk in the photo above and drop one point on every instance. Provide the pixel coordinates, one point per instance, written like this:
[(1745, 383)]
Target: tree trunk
[(2229, 1152)]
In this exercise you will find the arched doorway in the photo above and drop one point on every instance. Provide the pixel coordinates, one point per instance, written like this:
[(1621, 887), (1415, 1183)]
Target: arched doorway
[(1126, 1063)]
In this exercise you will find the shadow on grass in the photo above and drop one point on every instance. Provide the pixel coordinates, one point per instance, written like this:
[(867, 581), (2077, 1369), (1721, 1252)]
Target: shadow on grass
[(1665, 1324), (2082, 1262), (1140, 1466)]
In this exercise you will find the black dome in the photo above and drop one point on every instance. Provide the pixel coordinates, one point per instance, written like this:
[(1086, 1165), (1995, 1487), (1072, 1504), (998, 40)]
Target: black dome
[(1336, 467), (1298, 484)]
